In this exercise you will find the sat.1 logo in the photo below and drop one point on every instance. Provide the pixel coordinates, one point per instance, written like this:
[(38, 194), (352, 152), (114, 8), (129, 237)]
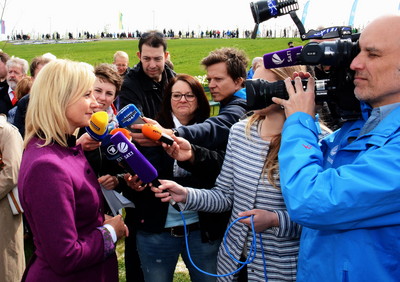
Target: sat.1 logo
[(122, 147)]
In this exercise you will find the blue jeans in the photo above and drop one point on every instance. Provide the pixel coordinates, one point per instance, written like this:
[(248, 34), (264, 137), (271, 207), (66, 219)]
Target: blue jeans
[(159, 253)]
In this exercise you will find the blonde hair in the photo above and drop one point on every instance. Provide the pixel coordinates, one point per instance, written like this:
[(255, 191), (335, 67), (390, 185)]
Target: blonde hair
[(59, 84), (271, 165), (121, 54)]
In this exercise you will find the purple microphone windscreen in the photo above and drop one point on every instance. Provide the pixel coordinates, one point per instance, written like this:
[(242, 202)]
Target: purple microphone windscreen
[(109, 149), (282, 58), (134, 158)]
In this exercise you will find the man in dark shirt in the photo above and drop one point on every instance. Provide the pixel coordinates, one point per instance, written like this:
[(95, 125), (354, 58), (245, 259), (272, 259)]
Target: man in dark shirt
[(143, 86), (226, 75)]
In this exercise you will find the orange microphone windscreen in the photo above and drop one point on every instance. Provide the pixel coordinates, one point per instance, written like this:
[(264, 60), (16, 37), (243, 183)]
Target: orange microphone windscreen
[(151, 132), (154, 133), (124, 131)]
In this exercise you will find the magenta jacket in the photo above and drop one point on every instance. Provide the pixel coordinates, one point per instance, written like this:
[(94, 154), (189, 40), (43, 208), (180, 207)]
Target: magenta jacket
[(64, 208)]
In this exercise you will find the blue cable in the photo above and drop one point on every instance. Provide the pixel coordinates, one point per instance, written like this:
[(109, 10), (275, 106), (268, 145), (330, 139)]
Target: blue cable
[(251, 255)]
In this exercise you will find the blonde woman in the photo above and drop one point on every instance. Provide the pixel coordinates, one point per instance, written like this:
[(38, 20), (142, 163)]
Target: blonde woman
[(57, 187)]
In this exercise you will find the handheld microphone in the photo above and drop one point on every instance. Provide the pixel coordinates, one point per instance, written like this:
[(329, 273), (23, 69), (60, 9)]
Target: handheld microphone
[(129, 115), (111, 153), (282, 58), (123, 130), (154, 133), (137, 162), (98, 123)]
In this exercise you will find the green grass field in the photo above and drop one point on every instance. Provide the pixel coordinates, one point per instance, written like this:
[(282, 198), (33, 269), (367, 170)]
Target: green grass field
[(186, 54)]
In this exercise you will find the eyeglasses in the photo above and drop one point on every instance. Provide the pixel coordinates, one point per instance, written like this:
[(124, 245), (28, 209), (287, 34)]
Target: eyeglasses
[(177, 96), (151, 33)]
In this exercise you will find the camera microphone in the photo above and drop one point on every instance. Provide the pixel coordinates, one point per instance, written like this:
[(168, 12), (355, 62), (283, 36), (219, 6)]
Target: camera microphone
[(137, 162), (129, 115), (98, 123), (154, 133), (264, 10), (282, 58)]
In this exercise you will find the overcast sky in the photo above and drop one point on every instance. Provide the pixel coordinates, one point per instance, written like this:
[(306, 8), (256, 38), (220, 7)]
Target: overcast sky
[(46, 16)]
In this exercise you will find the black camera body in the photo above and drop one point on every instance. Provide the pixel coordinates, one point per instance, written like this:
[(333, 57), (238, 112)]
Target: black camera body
[(336, 89), (331, 58)]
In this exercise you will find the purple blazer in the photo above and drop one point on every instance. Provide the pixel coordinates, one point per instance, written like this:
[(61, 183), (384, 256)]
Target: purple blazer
[(64, 208)]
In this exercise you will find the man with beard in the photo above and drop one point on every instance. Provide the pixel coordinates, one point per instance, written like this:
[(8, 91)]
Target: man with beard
[(143, 85), (17, 68)]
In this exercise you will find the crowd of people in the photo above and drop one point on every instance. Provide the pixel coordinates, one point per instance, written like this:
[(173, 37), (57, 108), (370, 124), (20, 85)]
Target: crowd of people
[(262, 195), (168, 33)]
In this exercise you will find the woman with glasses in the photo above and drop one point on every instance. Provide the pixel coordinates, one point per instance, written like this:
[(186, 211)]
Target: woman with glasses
[(184, 103)]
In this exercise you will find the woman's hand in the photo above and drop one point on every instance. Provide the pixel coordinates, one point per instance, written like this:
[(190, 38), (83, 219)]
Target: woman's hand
[(87, 142), (134, 182), (108, 181), (300, 100), (138, 136), (263, 219), (117, 222), (170, 190), (140, 139), (180, 150)]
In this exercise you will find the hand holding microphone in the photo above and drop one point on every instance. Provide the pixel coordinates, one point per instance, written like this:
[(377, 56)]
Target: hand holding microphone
[(154, 133), (134, 182), (128, 116), (137, 162), (169, 191), (181, 150), (95, 132)]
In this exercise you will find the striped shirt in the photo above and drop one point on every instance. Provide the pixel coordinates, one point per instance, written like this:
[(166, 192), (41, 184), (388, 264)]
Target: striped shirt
[(241, 187)]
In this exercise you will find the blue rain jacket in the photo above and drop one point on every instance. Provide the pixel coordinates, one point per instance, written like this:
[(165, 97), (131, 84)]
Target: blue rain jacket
[(347, 197)]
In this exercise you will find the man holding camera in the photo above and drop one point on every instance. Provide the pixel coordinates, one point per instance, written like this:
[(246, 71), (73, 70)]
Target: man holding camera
[(345, 191)]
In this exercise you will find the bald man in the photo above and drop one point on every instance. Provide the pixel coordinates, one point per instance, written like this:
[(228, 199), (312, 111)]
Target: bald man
[(346, 191)]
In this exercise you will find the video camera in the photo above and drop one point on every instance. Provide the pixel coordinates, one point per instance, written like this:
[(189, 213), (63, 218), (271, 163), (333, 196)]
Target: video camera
[(336, 88)]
